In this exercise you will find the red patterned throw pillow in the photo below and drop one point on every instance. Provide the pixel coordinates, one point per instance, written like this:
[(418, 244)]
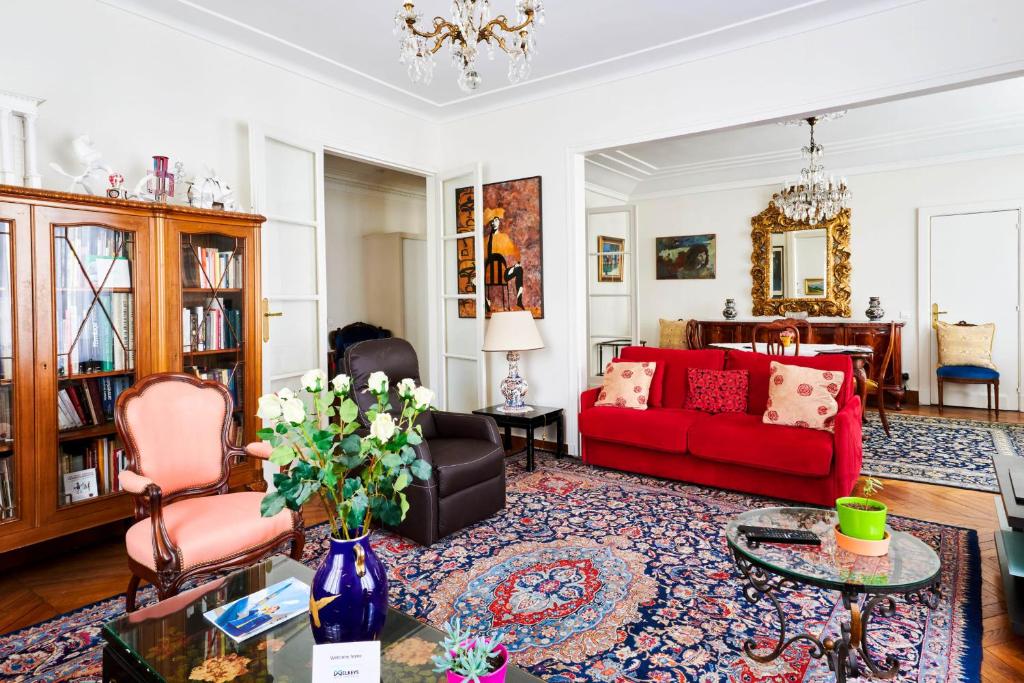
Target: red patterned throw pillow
[(626, 385), (717, 391), (802, 397)]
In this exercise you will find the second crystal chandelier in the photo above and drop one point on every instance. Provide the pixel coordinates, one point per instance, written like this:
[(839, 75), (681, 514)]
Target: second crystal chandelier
[(471, 24), (814, 197)]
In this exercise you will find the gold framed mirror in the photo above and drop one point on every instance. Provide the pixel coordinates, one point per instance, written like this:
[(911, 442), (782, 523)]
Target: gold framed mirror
[(800, 267)]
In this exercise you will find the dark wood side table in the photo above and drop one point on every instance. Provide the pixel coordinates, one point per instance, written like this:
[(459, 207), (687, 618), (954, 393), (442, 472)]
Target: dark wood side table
[(530, 420)]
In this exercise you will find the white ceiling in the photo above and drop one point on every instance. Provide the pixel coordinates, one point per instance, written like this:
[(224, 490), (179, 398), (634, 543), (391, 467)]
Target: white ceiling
[(350, 42), (980, 120)]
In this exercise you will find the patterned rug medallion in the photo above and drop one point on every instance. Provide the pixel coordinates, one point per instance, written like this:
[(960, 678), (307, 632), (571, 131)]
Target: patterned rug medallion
[(603, 576), (939, 450)]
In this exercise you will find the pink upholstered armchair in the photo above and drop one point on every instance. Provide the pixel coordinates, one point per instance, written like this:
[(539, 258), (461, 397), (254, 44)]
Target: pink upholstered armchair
[(175, 428)]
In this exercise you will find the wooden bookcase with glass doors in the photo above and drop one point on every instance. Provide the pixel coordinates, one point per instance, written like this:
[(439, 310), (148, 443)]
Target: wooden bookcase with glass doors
[(95, 294)]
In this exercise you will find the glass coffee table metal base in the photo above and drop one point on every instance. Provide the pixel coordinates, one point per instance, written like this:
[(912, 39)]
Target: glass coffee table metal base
[(172, 641), (869, 586)]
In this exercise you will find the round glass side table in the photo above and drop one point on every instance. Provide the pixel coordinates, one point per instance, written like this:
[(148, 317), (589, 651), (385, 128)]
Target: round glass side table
[(868, 585)]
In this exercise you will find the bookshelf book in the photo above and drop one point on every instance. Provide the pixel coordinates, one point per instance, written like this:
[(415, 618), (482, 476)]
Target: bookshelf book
[(95, 294)]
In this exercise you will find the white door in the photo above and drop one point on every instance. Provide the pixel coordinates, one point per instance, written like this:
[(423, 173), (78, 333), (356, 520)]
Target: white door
[(611, 285), (459, 303), (975, 277), (287, 188)]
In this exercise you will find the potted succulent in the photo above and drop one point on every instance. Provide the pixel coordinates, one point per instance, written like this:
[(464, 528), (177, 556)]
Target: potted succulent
[(862, 517), (469, 659), (359, 479)]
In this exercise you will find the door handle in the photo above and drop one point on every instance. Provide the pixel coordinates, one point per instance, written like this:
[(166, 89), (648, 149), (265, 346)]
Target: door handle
[(267, 315), (935, 316)]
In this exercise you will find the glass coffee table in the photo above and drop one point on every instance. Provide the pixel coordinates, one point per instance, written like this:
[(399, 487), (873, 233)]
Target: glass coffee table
[(172, 641), (868, 585)]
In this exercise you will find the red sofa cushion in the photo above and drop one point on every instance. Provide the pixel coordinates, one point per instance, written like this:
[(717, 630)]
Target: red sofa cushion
[(759, 367), (743, 439), (668, 390), (716, 391), (660, 430)]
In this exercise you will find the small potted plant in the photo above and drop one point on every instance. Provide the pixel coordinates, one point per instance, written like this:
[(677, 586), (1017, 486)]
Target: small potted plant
[(470, 659), (862, 518)]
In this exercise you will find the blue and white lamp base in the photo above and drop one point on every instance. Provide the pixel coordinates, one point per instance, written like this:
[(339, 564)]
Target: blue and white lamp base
[(514, 387)]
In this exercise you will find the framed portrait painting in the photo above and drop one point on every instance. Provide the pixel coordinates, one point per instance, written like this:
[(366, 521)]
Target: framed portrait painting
[(609, 268), (513, 272), (689, 257)]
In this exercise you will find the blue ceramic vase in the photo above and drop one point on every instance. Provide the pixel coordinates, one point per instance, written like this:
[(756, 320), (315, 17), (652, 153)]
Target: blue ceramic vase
[(348, 600)]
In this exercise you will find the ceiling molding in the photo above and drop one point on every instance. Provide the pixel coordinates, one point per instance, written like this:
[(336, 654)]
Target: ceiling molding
[(851, 171), (130, 7), (606, 192), (611, 169), (365, 187), (446, 111), (980, 125)]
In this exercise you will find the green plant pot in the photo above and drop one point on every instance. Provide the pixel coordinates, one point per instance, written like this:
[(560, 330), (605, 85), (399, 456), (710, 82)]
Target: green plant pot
[(868, 525)]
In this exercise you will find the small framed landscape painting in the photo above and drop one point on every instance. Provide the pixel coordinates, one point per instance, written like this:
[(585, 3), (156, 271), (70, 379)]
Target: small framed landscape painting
[(814, 286), (609, 268), (689, 257)]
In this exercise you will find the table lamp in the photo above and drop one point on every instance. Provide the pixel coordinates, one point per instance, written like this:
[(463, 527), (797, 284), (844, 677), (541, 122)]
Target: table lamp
[(513, 331)]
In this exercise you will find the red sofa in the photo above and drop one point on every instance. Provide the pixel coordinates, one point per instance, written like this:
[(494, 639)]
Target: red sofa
[(729, 450)]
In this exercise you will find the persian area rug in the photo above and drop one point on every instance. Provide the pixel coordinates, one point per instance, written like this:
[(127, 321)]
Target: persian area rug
[(602, 576), (937, 450)]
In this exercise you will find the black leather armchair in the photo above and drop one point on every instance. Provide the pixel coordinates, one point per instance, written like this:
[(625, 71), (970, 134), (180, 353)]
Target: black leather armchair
[(464, 451)]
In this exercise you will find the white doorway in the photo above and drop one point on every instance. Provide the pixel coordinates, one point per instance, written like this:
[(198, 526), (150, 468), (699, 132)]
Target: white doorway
[(970, 269), (376, 257)]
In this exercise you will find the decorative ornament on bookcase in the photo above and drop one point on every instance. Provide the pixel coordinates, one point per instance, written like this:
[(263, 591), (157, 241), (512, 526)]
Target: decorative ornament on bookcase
[(95, 172)]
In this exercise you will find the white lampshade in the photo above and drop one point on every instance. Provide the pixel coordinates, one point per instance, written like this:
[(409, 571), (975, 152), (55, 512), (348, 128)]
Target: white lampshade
[(512, 331)]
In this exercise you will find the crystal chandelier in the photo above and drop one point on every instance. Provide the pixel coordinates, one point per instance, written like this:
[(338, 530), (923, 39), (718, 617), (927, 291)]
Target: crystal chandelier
[(471, 25), (815, 197)]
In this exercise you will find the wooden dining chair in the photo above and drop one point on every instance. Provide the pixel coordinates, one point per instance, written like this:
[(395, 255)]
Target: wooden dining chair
[(176, 431), (694, 335), (773, 332), (876, 380)]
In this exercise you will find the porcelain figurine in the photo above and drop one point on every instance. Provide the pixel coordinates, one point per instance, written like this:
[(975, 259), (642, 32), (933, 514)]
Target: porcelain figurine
[(95, 175)]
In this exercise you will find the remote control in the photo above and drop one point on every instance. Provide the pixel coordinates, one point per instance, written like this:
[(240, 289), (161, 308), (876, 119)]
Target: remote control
[(767, 534)]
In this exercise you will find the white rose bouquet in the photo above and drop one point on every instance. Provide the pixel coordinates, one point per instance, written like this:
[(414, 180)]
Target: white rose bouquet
[(359, 479)]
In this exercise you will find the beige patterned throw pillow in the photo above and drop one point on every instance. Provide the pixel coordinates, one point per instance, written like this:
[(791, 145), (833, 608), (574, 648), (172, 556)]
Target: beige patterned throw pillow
[(966, 345), (626, 385), (802, 397), (672, 334)]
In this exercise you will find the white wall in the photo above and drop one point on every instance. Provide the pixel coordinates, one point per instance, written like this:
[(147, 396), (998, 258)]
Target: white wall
[(353, 211), (883, 240), (933, 43), (140, 88)]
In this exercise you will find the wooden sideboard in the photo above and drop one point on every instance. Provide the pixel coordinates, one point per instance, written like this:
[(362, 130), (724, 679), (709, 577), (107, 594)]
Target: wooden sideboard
[(861, 333)]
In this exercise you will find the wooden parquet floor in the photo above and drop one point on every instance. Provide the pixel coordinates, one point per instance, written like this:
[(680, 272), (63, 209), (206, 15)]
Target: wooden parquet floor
[(43, 588)]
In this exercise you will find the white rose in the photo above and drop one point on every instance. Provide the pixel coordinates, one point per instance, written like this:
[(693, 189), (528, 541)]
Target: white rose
[(285, 394), (383, 427), (293, 410), (378, 383), (269, 407), (406, 388), (422, 397), (314, 380), (341, 384)]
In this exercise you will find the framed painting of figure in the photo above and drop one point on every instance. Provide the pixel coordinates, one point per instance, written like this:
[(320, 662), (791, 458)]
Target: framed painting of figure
[(688, 257), (513, 272)]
